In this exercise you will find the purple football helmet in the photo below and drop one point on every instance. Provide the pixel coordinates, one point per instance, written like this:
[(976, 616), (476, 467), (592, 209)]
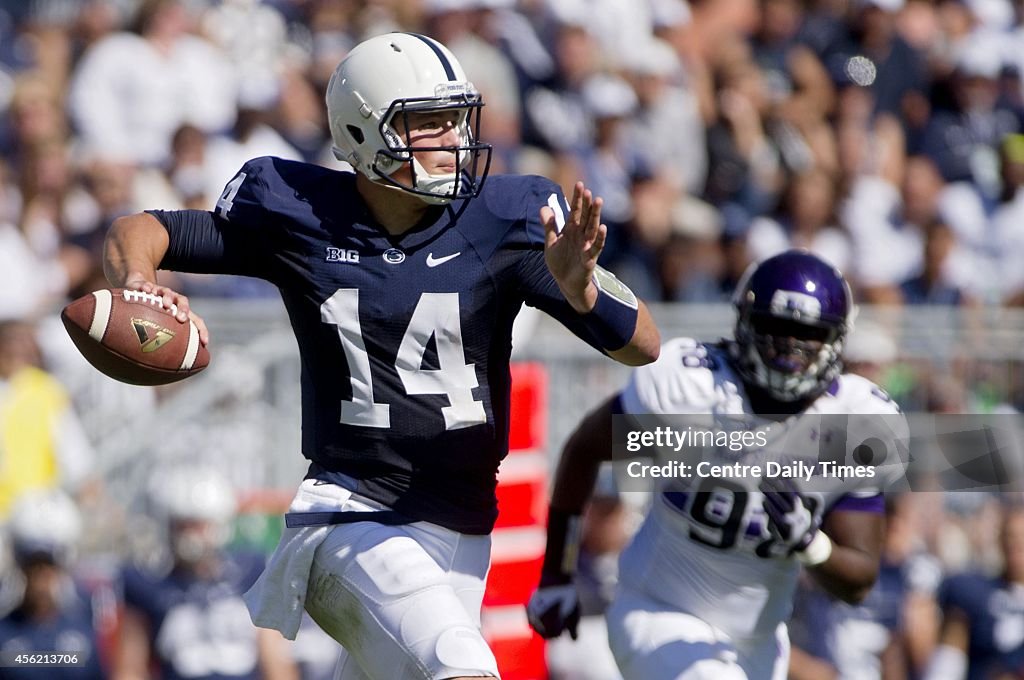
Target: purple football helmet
[(793, 313)]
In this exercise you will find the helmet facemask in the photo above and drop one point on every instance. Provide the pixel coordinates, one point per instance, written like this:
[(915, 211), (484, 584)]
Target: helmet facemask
[(791, 360), (472, 157), (469, 154), (793, 313)]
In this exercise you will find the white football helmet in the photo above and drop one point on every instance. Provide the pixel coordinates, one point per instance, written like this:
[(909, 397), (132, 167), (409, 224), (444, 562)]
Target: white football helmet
[(389, 76), (196, 493), (198, 504), (45, 523)]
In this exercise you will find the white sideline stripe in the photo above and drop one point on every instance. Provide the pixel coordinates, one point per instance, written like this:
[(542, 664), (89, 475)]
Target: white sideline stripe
[(100, 315), (524, 543), (523, 467), (505, 622), (193, 348)]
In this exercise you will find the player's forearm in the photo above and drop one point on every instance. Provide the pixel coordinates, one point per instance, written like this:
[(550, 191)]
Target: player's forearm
[(582, 456), (644, 346), (581, 298), (848, 573), (135, 246)]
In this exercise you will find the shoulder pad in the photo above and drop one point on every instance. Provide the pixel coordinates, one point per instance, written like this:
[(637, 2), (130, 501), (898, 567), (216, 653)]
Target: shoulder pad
[(860, 395), (682, 380), (269, 185)]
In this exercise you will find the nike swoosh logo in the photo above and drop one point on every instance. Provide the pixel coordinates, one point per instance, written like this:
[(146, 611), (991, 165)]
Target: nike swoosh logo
[(433, 262)]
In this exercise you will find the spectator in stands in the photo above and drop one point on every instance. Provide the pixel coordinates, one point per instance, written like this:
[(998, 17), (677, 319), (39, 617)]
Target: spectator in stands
[(42, 441), (796, 77), (253, 135), (555, 117), (691, 263), (609, 164), (466, 27), (36, 117), (872, 351), (111, 187), (253, 37), (666, 129), (30, 281), (51, 615), (869, 43), (805, 219), (735, 255), (132, 90), (744, 161), (885, 221), (190, 620), (963, 140), (52, 209), (799, 87), (932, 286), (1008, 222)]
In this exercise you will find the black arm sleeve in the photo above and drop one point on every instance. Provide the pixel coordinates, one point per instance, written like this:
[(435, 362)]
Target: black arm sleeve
[(204, 243), (541, 291)]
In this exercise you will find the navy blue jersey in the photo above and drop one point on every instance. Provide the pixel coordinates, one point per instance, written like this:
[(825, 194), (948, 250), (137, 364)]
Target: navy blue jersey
[(70, 632), (404, 340), (995, 615), (853, 637), (198, 628)]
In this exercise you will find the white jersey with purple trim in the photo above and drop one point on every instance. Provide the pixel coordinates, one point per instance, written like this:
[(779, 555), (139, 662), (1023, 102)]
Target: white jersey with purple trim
[(704, 547)]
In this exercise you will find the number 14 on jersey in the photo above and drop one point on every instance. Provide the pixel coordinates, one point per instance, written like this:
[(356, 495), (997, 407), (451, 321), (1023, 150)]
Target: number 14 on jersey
[(436, 315)]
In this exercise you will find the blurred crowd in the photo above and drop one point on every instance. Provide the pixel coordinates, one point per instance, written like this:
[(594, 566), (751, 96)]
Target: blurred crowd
[(885, 135)]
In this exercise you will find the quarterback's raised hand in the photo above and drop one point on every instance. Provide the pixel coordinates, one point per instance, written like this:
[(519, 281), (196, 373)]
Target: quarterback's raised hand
[(792, 521), (571, 252)]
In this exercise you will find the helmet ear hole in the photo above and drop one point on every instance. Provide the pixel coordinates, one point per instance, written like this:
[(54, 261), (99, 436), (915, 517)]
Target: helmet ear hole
[(356, 133)]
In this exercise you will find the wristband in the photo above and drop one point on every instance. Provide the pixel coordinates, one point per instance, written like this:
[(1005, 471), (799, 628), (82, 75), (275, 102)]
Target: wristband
[(613, 318), (563, 546), (817, 551)]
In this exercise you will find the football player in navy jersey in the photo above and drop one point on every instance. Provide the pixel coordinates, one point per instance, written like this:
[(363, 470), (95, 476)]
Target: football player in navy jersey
[(983, 616), (401, 282), (707, 583), (52, 615), (189, 619)]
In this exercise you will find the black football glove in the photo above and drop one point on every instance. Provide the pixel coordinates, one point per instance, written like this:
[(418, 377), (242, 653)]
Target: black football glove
[(555, 606)]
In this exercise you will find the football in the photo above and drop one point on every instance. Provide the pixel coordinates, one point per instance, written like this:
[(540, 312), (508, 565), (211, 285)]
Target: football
[(129, 336)]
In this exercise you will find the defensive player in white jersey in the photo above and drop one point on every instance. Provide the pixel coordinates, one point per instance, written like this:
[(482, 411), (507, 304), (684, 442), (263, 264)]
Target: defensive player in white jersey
[(706, 585)]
